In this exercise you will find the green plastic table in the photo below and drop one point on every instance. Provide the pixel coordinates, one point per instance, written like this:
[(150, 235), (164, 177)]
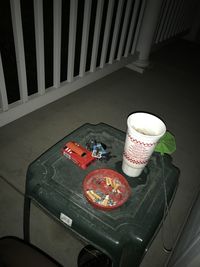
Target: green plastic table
[(123, 234)]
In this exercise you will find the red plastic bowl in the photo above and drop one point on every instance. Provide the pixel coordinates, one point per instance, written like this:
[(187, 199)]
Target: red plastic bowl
[(106, 189)]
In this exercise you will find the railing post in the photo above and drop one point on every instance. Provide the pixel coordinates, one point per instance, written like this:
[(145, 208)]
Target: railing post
[(147, 31)]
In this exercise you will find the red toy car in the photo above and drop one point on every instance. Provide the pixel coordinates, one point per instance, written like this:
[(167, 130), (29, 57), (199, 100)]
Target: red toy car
[(78, 154)]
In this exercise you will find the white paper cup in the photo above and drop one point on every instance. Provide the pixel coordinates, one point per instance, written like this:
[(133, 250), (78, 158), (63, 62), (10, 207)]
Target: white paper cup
[(143, 132)]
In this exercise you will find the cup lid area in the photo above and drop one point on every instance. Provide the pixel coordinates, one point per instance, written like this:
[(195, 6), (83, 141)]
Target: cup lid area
[(146, 124)]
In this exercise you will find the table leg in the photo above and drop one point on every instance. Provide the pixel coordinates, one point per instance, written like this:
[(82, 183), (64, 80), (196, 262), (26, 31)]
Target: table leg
[(26, 221), (90, 256)]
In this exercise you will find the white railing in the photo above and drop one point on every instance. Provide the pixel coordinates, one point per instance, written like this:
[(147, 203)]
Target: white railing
[(125, 19), (123, 32), (175, 19)]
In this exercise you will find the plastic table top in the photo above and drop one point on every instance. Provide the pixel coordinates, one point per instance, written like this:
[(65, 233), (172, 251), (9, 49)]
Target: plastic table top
[(124, 234)]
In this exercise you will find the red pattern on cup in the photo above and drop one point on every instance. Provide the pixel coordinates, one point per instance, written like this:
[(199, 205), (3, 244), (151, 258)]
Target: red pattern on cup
[(139, 142), (133, 160)]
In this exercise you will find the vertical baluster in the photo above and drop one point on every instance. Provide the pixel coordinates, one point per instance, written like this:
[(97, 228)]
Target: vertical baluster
[(72, 39), (107, 33), (85, 35), (96, 35), (19, 48), (164, 12), (3, 93), (159, 22), (124, 29), (173, 18), (57, 15), (132, 25), (39, 39), (165, 20), (186, 17), (138, 26), (116, 31), (168, 20), (174, 29), (181, 18)]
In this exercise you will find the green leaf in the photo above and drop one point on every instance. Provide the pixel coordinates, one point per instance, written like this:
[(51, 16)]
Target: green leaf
[(166, 144)]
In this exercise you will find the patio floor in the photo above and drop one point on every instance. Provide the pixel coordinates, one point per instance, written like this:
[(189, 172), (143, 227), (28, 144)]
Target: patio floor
[(167, 88)]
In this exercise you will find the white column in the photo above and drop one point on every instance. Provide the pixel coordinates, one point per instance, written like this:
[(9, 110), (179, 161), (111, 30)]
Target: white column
[(147, 31)]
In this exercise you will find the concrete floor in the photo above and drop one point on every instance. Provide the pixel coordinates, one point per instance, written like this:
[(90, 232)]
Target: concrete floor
[(167, 88)]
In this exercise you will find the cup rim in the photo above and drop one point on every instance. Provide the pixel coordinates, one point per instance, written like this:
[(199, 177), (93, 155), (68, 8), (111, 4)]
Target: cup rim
[(150, 116)]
